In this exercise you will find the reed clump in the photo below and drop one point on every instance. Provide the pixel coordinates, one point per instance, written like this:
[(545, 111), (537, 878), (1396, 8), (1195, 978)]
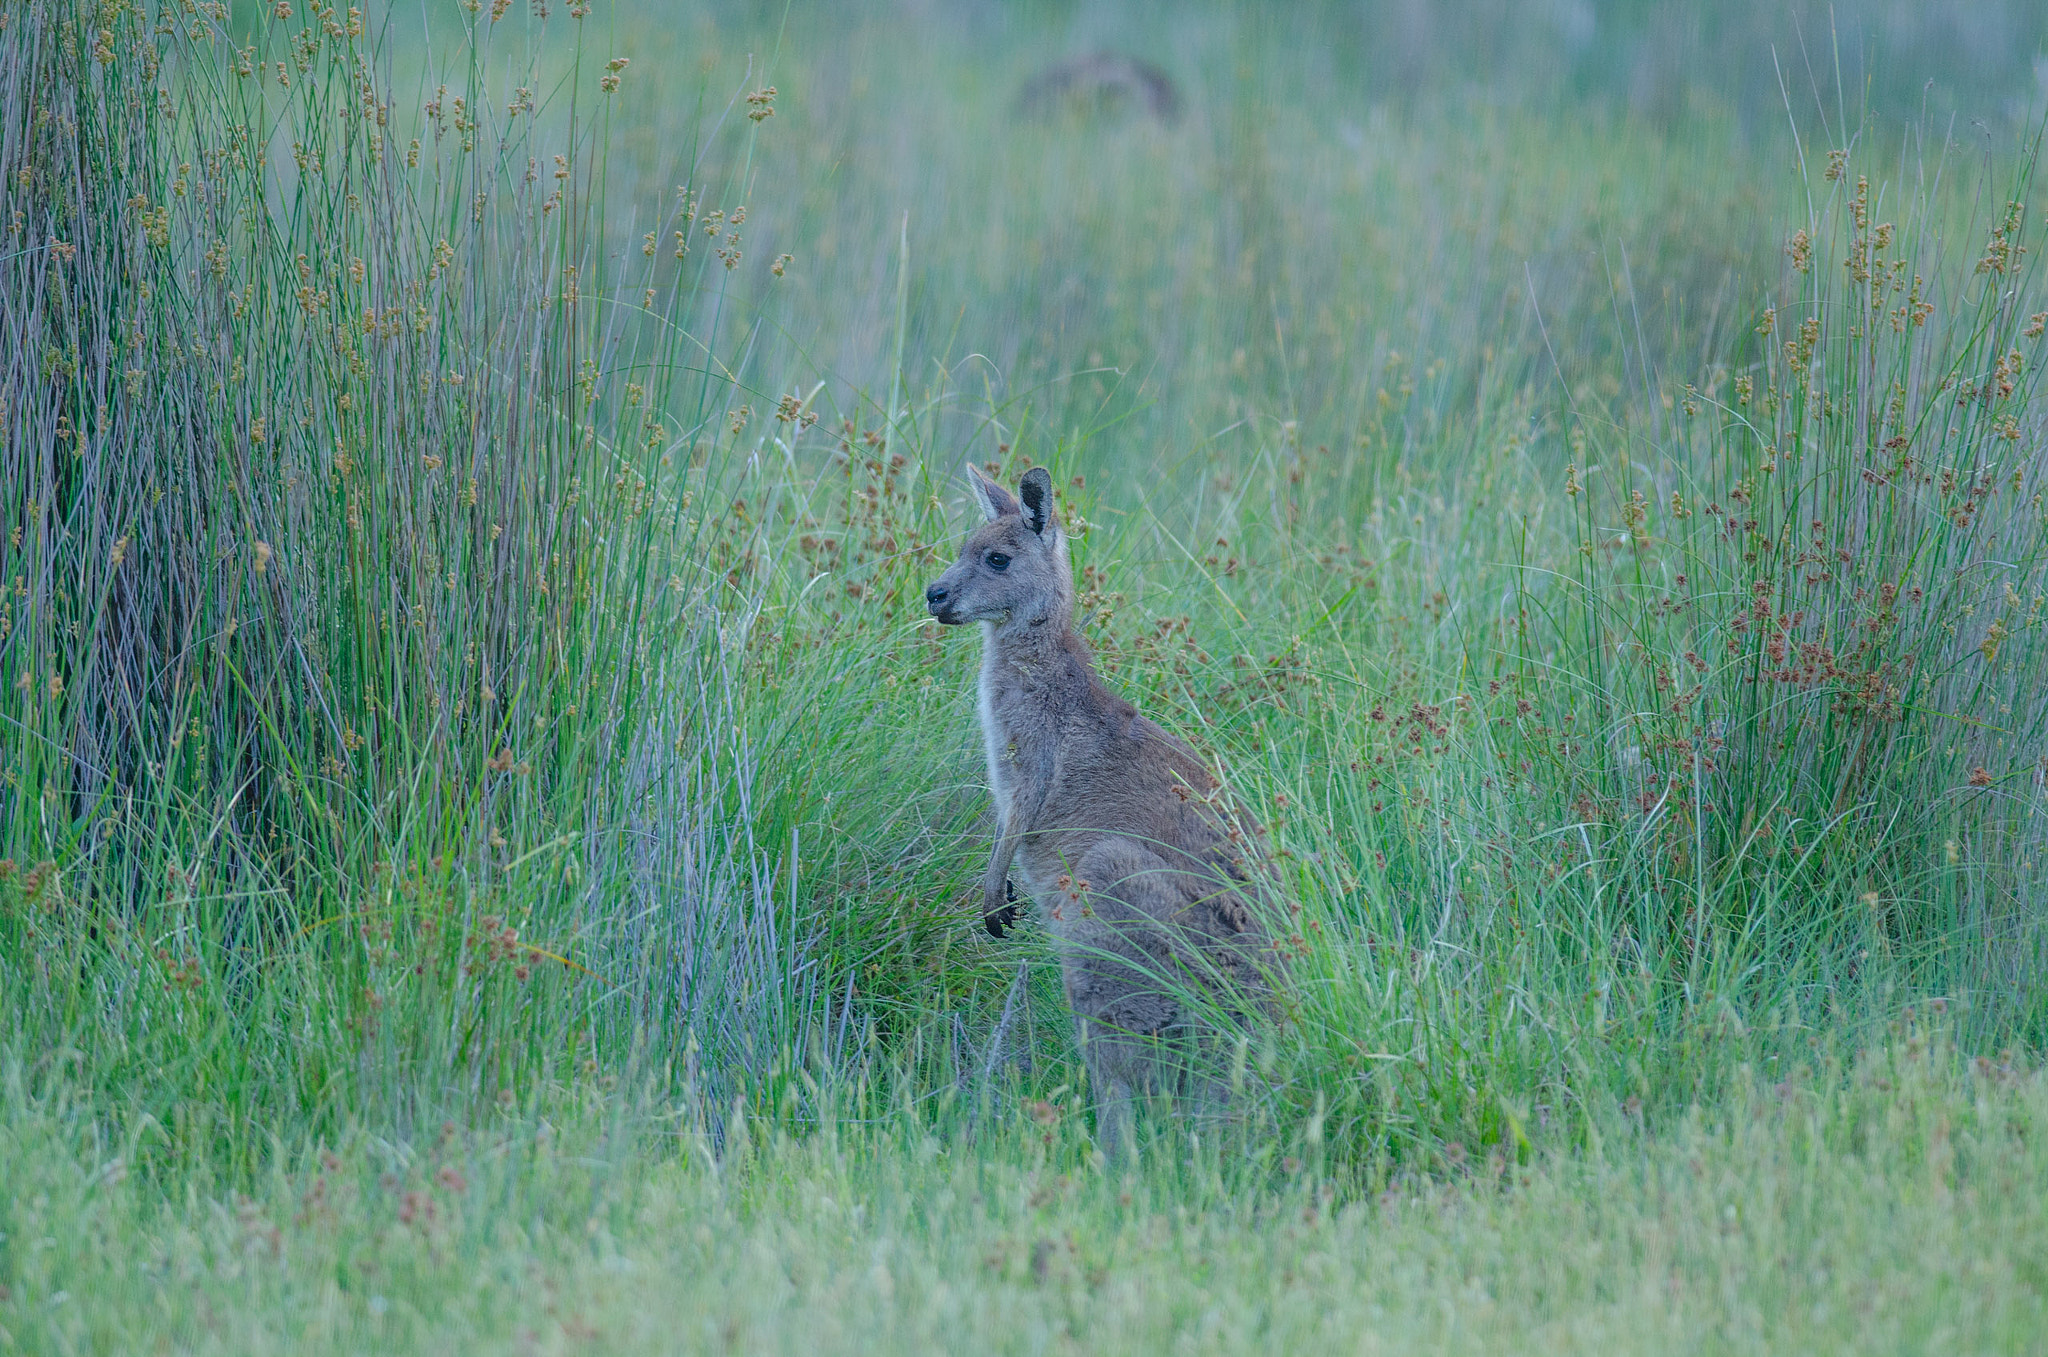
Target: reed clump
[(370, 610)]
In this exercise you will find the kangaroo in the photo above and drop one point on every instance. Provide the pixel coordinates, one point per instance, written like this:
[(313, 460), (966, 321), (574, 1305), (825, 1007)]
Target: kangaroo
[(1147, 884)]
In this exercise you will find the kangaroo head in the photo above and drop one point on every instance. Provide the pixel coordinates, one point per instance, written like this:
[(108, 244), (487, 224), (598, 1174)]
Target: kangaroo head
[(1013, 568)]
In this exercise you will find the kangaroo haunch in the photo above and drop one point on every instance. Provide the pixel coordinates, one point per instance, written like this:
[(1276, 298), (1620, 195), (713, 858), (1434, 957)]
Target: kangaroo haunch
[(1147, 877)]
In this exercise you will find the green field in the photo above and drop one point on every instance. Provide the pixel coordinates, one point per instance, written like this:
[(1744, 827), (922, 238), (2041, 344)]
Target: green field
[(490, 840)]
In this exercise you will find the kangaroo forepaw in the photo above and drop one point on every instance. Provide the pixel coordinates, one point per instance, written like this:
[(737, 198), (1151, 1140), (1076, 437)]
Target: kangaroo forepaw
[(997, 918)]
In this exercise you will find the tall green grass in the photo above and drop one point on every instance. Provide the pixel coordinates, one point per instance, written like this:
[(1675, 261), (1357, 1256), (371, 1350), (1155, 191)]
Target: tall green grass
[(465, 652), (375, 670)]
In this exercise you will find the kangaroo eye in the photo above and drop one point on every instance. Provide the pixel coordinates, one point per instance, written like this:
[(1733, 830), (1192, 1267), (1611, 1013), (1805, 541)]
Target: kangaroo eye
[(998, 562)]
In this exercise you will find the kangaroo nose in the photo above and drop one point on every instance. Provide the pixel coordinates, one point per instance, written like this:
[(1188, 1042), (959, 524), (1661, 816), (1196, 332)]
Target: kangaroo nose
[(935, 597)]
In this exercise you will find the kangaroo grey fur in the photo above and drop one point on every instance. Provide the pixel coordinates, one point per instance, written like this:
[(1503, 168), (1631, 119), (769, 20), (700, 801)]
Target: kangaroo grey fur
[(1146, 883)]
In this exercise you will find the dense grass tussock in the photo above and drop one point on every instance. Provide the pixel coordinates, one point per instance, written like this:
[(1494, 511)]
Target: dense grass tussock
[(354, 627), (463, 655)]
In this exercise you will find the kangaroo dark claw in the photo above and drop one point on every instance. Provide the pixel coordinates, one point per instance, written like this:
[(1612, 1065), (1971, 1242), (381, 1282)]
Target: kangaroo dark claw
[(999, 922)]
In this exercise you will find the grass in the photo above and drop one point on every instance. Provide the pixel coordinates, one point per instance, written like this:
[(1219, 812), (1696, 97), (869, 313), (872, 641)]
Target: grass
[(1881, 1207), (489, 836)]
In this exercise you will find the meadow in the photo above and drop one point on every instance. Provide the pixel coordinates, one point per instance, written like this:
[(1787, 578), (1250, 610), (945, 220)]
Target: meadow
[(489, 837)]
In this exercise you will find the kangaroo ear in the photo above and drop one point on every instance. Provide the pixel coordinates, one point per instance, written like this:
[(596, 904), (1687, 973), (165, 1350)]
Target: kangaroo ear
[(995, 501), (1036, 492)]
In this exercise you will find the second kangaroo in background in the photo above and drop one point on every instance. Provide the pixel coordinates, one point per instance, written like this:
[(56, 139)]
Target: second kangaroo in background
[(1146, 879)]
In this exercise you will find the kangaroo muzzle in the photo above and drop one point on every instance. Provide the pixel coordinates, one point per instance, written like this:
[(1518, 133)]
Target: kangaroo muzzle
[(938, 601)]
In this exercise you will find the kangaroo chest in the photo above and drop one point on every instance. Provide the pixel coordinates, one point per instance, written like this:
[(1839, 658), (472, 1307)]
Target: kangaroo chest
[(1001, 745), (1020, 732)]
